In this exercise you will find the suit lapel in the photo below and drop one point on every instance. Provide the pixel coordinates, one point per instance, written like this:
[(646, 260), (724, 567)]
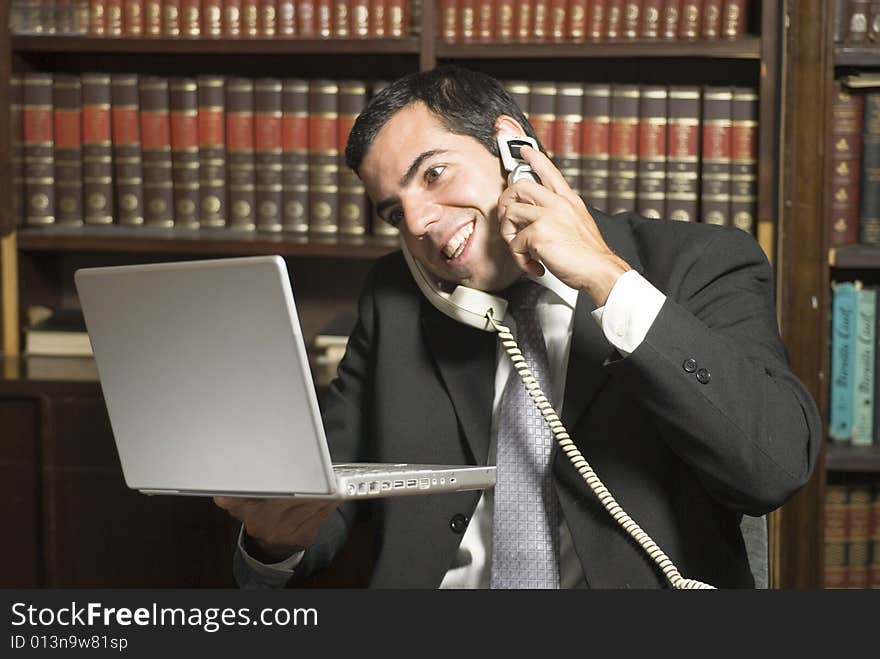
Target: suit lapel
[(465, 358)]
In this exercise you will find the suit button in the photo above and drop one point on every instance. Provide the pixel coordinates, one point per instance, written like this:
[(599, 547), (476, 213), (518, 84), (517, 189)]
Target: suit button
[(689, 365), (458, 523), (703, 376)]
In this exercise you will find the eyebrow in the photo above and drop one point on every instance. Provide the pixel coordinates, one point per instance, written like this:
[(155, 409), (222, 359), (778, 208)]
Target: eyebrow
[(408, 177)]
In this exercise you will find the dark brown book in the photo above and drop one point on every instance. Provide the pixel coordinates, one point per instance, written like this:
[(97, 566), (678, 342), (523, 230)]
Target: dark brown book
[(268, 18), (838, 27), (448, 20), (576, 26), (670, 14), (623, 164), (360, 18), (568, 131), (323, 209), (651, 179), (353, 218), (835, 533), (306, 18), (158, 186), (62, 16), (250, 18), (128, 169), (650, 24), (467, 20), (113, 18), (153, 18), (859, 535), (484, 21), (874, 565), (744, 160), (133, 17), (212, 18), (733, 19), (690, 19), (596, 144), (710, 25), (873, 32), (519, 91), (632, 11), (682, 163), (613, 19), (505, 20), (171, 18), (295, 154), (240, 154), (97, 149), (542, 113), (523, 20), (232, 18), (715, 161), (191, 18), (869, 214), (267, 153), (287, 17), (39, 149), (68, 105), (213, 209), (398, 18), (377, 18), (97, 18), (16, 133), (184, 106)]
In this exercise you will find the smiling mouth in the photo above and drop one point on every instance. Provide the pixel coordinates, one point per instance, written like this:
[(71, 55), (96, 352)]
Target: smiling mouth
[(457, 244)]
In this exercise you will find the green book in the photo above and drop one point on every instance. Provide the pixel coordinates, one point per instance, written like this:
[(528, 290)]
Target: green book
[(863, 368), (842, 357)]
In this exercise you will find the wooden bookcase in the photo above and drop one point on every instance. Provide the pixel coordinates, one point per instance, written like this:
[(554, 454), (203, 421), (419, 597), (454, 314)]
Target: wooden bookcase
[(51, 415)]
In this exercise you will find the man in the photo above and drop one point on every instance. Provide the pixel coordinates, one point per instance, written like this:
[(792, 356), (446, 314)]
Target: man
[(663, 354)]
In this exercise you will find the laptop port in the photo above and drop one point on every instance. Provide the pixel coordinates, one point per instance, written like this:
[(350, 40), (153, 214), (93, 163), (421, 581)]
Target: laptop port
[(374, 486), (424, 484), (386, 485), (398, 484), (412, 483)]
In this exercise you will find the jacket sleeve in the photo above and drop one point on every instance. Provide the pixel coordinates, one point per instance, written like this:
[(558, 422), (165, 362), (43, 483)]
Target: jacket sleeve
[(713, 373)]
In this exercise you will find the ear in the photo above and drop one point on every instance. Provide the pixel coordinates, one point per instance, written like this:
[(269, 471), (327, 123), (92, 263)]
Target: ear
[(507, 125)]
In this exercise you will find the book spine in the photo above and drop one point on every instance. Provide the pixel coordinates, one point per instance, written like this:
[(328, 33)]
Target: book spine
[(62, 14), (323, 214), (484, 21), (690, 17), (863, 367), (843, 318), (873, 30), (624, 148), (596, 20), (133, 18), (268, 18), (324, 18), (16, 119), (541, 20), (650, 23), (267, 145), (295, 154), (542, 114), (212, 151), (184, 109), (505, 20), (287, 17), (733, 19), (156, 151), (127, 164), (744, 160), (467, 20), (153, 18), (250, 18), (306, 25), (360, 18), (569, 131), (845, 163), (523, 20), (682, 165), (97, 149), (874, 530), (449, 20), (232, 18), (838, 29), (377, 18), (835, 534), (212, 18), (97, 18), (519, 91), (352, 194), (68, 103), (869, 213), (171, 18), (651, 192), (558, 16), (576, 25), (596, 146), (858, 536), (669, 17), (632, 10), (710, 25), (191, 18), (613, 20), (341, 19), (715, 164), (240, 153), (113, 20)]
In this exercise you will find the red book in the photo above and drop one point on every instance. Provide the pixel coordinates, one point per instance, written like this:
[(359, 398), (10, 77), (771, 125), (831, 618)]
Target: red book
[(267, 153), (542, 113), (127, 164), (38, 148), (505, 20), (744, 160), (184, 106), (484, 21), (353, 218), (541, 25), (467, 20), (155, 127), (650, 23), (733, 19), (874, 567), (360, 18), (171, 18), (596, 20), (287, 17), (523, 18), (576, 27), (16, 118), (295, 154), (67, 102), (97, 149), (669, 16), (691, 16), (558, 28), (191, 18), (715, 162), (323, 157), (113, 18), (710, 26), (212, 18), (632, 10), (624, 148), (449, 20), (250, 18), (859, 536), (324, 17), (683, 150), (98, 18), (596, 144), (835, 534), (268, 18), (845, 165), (568, 131), (613, 19), (212, 151), (651, 187), (378, 25), (232, 18), (398, 18), (133, 18), (240, 153), (306, 18), (153, 18), (341, 19)]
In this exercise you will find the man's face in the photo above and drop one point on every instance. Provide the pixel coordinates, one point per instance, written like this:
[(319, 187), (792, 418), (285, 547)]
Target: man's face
[(441, 190)]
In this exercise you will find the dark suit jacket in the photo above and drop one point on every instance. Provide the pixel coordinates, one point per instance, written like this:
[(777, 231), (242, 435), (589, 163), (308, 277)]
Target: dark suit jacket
[(684, 458)]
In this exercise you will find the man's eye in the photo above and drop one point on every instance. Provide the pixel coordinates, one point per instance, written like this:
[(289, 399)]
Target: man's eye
[(433, 173), (395, 217)]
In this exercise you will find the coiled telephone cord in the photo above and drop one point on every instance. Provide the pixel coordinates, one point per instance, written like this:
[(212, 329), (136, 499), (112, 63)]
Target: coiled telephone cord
[(583, 467)]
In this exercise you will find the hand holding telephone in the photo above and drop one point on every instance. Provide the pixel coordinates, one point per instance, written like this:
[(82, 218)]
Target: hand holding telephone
[(486, 312)]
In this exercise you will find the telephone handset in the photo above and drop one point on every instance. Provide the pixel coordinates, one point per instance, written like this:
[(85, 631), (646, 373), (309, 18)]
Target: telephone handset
[(485, 311)]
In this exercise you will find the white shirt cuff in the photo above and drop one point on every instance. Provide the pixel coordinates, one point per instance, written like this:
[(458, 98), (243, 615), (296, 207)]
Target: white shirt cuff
[(630, 310), (282, 568)]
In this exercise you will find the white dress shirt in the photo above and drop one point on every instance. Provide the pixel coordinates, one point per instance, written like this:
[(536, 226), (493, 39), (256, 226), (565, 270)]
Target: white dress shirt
[(628, 314)]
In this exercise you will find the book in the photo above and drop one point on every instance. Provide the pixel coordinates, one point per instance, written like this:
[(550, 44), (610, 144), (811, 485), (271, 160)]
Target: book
[(858, 538), (632, 10), (268, 18), (874, 532), (323, 207), (835, 534), (613, 19), (97, 22), (710, 26), (294, 154), (869, 191), (843, 327), (448, 17), (324, 18), (212, 18), (690, 18), (153, 17), (596, 144), (744, 160), (128, 168), (845, 162), (250, 18), (873, 32), (184, 109), (377, 18), (863, 366), (576, 22), (232, 18), (113, 18), (623, 163), (669, 15), (682, 163), (838, 28), (156, 151), (267, 153), (191, 18), (240, 153), (484, 21), (97, 149), (63, 368), (341, 23), (39, 149), (715, 161), (353, 218), (541, 20), (67, 102), (519, 91), (62, 333), (467, 20), (287, 17), (212, 150), (569, 131), (652, 11), (16, 133), (542, 113), (360, 18), (733, 19), (171, 18), (651, 164), (522, 20), (857, 21)]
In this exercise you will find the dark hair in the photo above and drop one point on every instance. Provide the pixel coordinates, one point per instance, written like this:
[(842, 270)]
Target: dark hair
[(465, 102)]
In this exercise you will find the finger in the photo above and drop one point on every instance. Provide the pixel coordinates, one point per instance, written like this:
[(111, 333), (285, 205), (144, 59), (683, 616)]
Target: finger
[(523, 252), (530, 192), (518, 215), (545, 169)]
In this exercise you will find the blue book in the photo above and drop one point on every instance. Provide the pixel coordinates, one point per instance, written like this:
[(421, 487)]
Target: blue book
[(843, 315), (863, 367)]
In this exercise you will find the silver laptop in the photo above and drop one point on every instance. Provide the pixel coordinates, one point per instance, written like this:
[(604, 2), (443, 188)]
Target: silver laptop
[(208, 388)]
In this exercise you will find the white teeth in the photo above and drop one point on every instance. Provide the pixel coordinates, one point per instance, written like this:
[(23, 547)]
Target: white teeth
[(456, 244)]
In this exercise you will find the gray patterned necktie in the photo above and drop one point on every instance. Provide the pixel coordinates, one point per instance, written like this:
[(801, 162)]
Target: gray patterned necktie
[(525, 526)]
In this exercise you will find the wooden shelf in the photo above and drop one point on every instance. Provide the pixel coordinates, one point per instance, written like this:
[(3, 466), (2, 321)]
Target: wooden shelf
[(745, 48), (199, 241), (853, 458), (854, 257), (243, 46), (857, 56)]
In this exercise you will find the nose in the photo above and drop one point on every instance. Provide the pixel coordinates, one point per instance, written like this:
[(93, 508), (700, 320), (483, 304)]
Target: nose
[(419, 212)]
